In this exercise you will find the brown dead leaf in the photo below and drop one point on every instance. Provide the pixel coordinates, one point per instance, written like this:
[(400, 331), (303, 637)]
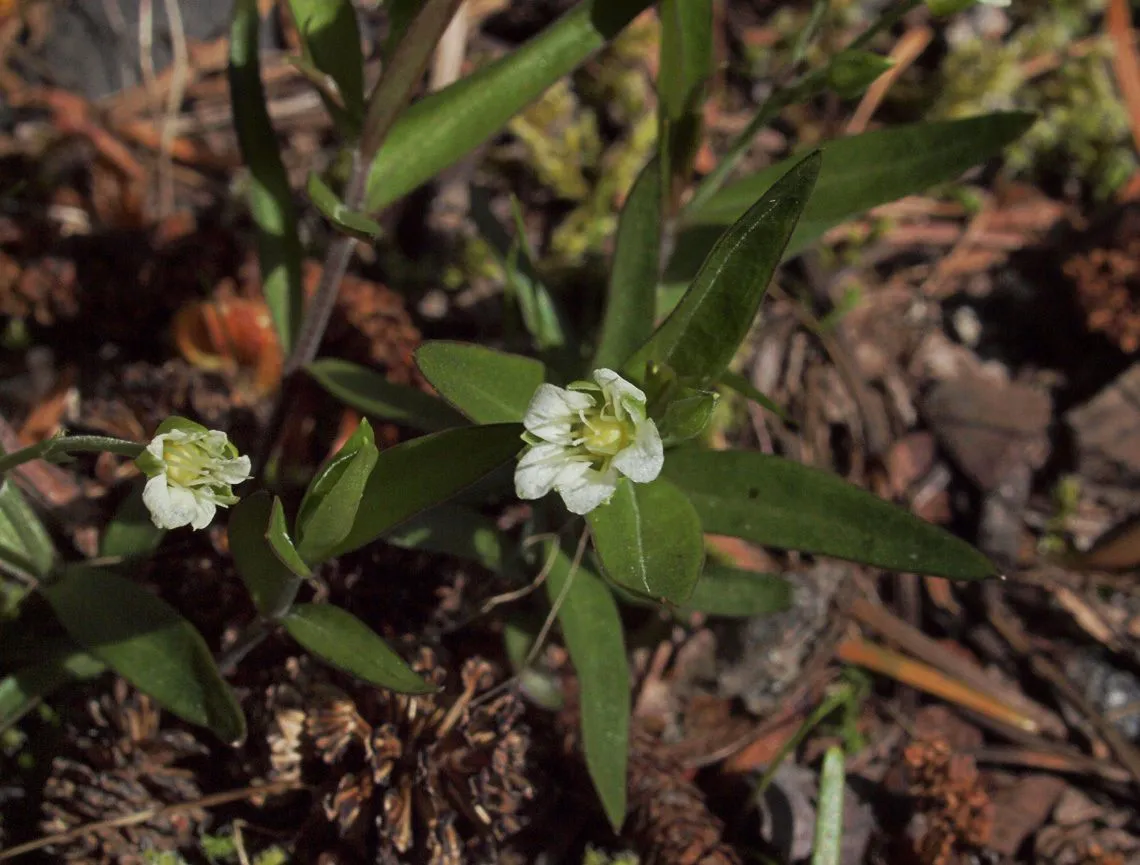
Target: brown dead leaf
[(1022, 809)]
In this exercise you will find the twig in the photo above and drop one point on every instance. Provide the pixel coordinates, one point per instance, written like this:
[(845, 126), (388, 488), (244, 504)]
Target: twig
[(447, 64), (905, 52), (928, 679), (544, 631), (924, 648), (211, 801), (1014, 634)]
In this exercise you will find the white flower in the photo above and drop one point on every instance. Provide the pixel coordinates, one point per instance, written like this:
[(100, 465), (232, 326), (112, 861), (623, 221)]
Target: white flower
[(582, 438), (191, 470)]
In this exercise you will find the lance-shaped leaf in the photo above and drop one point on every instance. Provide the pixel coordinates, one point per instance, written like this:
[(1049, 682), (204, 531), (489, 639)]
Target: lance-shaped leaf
[(337, 212), (330, 35), (330, 504), (344, 641), (441, 128), (779, 503), (271, 582), (270, 197), (631, 297), (424, 472), (23, 690), (592, 630), (453, 530), (686, 63), (858, 173), (23, 540), (370, 392), (131, 531), (144, 640), (649, 540), (486, 385), (727, 591), (700, 336)]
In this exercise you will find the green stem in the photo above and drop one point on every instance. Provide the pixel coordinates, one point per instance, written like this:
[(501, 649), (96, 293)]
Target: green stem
[(70, 444), (836, 699), (249, 639), (807, 87)]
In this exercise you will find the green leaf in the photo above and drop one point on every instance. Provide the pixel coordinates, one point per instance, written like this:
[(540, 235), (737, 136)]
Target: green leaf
[(453, 530), (685, 62), (330, 35), (419, 474), (131, 532), (334, 210), (24, 541), (727, 591), (534, 301), (828, 848), (852, 72), (400, 15), (270, 582), (403, 69), (592, 630), (686, 55), (701, 336), (330, 504), (687, 415), (779, 503), (370, 392), (282, 545), (270, 197), (344, 641), (443, 127), (743, 386), (486, 385), (631, 297), (22, 690), (649, 540), (858, 173), (942, 8), (540, 314), (145, 641)]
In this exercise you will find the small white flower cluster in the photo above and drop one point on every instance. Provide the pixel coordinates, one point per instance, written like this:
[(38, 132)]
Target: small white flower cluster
[(582, 438), (190, 471)]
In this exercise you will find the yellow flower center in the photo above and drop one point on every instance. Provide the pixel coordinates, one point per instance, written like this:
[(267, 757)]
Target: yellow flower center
[(603, 436), (183, 463)]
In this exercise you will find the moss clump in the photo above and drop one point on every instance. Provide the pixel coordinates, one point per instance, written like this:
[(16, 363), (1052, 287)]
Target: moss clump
[(1055, 66)]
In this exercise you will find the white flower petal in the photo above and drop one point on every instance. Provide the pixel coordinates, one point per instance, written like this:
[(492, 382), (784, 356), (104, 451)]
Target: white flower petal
[(552, 410), (620, 393), (204, 513), (154, 447), (170, 507), (589, 491), (642, 459), (233, 471), (540, 468)]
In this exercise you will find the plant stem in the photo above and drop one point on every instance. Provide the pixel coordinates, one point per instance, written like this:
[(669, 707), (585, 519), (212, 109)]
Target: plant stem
[(252, 636), (805, 87), (70, 444), (388, 98)]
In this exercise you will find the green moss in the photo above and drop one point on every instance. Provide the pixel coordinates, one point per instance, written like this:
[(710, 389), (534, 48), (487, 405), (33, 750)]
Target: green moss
[(598, 857), (1084, 130)]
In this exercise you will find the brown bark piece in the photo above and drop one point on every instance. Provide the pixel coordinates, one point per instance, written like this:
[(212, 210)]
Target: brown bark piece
[(1107, 432)]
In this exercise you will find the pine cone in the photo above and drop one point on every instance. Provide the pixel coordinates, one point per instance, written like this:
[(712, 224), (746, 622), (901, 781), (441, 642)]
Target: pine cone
[(668, 818), (405, 778), (120, 764)]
